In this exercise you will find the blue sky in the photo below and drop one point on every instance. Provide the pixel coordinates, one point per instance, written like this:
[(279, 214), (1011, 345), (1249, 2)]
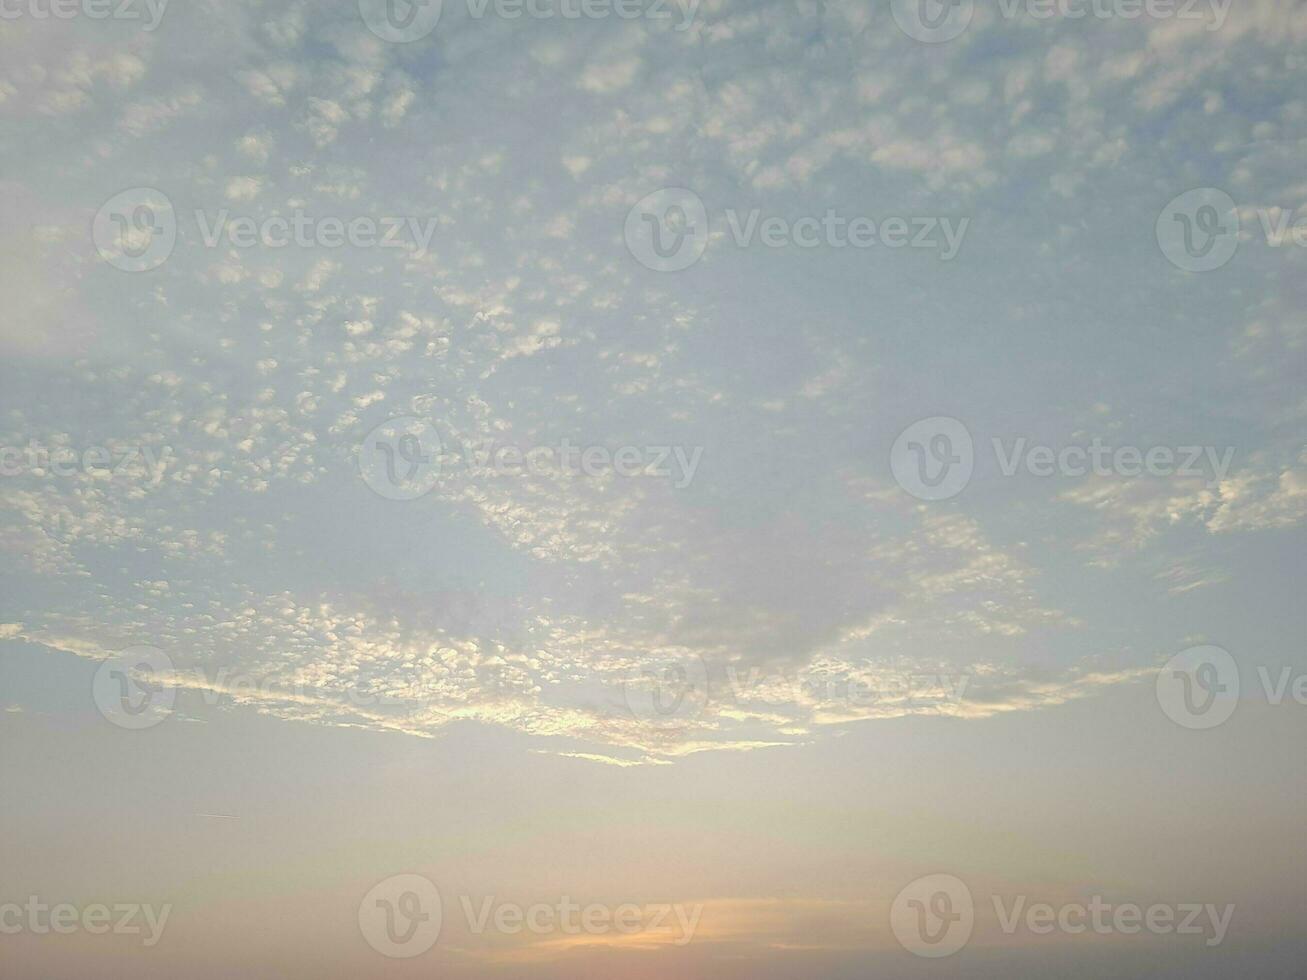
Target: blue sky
[(761, 538)]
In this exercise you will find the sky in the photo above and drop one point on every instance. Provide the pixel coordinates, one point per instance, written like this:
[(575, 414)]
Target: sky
[(808, 483)]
